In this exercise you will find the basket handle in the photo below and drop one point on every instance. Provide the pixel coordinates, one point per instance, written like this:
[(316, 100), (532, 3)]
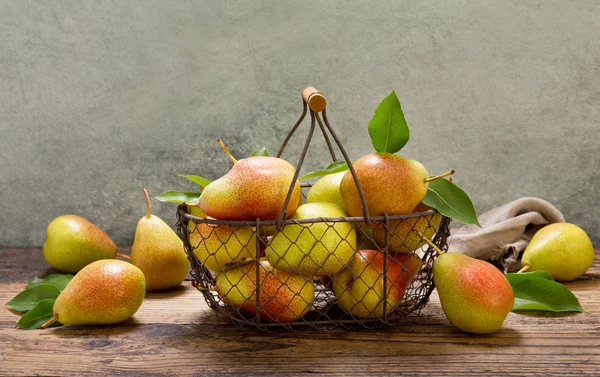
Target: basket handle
[(315, 100)]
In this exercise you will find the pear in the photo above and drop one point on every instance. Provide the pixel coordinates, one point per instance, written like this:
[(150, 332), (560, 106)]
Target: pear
[(219, 246), (104, 292), (256, 187), (359, 287), (73, 242), (475, 295), (327, 189), (391, 184), (562, 249), (284, 296), (403, 236), (158, 252), (317, 248)]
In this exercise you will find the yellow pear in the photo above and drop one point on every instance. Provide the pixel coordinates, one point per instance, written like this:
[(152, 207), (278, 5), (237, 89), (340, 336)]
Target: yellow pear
[(158, 252), (562, 249), (403, 236), (73, 242), (318, 248), (327, 189)]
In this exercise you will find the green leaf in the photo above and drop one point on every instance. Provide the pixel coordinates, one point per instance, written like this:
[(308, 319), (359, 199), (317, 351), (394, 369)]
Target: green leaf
[(260, 152), (179, 197), (334, 167), (388, 129), (37, 316), (30, 297), (516, 278), (203, 182), (58, 280), (545, 295), (451, 201)]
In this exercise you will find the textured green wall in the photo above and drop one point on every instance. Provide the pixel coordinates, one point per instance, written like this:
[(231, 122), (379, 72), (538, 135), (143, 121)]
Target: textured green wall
[(101, 98)]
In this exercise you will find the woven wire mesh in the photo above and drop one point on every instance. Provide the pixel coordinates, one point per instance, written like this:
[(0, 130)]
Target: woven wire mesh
[(317, 272)]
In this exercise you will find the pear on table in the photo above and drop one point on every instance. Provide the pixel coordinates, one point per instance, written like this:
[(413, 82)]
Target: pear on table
[(391, 184), (284, 296), (562, 249), (256, 187), (73, 242), (104, 292), (158, 252), (475, 295)]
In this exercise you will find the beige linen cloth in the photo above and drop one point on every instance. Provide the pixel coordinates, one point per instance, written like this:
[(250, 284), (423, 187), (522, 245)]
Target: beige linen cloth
[(505, 232)]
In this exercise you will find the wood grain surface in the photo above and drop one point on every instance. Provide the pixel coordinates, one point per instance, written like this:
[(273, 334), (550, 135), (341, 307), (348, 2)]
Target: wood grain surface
[(175, 333)]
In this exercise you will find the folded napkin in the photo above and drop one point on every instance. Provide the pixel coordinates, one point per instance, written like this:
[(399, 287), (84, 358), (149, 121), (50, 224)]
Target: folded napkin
[(505, 232)]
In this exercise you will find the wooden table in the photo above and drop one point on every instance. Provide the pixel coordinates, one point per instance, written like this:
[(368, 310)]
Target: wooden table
[(175, 333)]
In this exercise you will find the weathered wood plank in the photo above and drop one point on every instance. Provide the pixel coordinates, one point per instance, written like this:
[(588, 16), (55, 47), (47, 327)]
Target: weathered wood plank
[(175, 333)]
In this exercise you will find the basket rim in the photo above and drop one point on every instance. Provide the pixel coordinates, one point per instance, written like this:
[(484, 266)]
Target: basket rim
[(347, 219)]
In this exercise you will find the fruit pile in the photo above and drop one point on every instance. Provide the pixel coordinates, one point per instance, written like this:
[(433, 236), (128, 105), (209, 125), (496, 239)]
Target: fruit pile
[(348, 254)]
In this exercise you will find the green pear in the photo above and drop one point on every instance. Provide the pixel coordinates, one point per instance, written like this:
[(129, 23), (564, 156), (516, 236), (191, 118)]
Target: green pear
[(327, 189), (256, 187), (73, 242), (359, 286), (313, 249), (391, 184), (219, 246), (158, 252), (403, 234), (284, 296), (562, 249), (104, 292), (475, 295)]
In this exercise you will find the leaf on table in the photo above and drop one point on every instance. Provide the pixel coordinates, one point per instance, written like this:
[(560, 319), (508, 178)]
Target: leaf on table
[(37, 316), (202, 182), (260, 152), (451, 201), (58, 280), (29, 298), (516, 278), (334, 167), (544, 295), (179, 197), (388, 129)]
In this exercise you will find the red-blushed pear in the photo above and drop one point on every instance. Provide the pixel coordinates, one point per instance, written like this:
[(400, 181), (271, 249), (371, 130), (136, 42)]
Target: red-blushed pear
[(403, 236), (102, 293), (475, 295), (391, 184), (73, 242), (256, 187), (359, 287), (158, 252), (284, 296)]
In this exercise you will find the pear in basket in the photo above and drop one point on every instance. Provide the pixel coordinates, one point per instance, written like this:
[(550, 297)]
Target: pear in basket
[(256, 187)]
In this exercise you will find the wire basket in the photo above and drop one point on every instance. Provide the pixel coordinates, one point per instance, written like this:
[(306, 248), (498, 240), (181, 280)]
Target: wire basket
[(314, 272)]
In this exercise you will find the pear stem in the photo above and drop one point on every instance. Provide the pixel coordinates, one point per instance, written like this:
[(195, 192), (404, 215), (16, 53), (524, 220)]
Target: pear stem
[(148, 214), (440, 252), (51, 321), (227, 151), (440, 176), (124, 256), (524, 269)]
